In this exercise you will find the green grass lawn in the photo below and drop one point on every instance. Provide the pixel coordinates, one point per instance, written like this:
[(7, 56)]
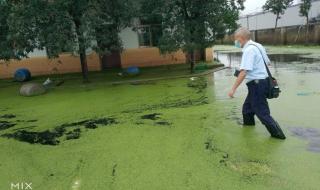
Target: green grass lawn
[(165, 135)]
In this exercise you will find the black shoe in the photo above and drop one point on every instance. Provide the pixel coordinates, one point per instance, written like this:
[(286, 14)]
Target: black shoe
[(276, 131), (248, 120), (279, 136)]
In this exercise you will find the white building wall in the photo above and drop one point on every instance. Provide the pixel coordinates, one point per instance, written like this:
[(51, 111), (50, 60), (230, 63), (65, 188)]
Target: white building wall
[(267, 20), (129, 38)]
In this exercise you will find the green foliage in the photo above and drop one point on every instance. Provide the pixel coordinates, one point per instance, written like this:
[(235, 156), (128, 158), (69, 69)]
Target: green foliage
[(109, 18), (59, 26), (191, 24), (305, 8), (16, 40), (277, 7)]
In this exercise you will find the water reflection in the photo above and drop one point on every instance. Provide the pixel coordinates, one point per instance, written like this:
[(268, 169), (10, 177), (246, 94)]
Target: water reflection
[(303, 63)]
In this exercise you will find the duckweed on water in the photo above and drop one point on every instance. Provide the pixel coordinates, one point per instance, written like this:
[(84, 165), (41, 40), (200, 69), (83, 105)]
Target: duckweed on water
[(200, 150)]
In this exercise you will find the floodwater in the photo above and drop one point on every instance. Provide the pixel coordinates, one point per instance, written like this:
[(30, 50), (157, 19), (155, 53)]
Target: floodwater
[(298, 77), (298, 107), (171, 134)]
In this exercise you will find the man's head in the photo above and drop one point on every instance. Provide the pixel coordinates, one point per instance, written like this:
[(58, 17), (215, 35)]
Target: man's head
[(242, 36)]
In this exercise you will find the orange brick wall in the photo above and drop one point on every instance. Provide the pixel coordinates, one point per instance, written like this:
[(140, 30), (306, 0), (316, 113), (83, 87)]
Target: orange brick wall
[(148, 57), (66, 63)]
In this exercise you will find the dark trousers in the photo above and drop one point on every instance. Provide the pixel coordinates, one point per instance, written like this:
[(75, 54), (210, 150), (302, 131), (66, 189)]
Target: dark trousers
[(256, 104)]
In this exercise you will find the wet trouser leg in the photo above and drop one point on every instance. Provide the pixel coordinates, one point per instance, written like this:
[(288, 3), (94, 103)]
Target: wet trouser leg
[(247, 112), (258, 105)]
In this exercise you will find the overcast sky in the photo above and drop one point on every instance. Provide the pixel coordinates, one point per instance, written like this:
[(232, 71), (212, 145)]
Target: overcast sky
[(254, 6)]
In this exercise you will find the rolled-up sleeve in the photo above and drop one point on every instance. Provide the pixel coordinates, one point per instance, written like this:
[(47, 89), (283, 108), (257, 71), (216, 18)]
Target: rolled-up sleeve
[(247, 60)]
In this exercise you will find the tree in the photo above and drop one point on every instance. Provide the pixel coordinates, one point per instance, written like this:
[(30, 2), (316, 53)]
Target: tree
[(14, 43), (64, 25), (278, 8), (192, 25), (118, 14), (304, 11)]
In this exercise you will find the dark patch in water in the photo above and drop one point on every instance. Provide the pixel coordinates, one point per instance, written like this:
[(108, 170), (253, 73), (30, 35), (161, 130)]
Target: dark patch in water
[(184, 103), (28, 121), (51, 137), (6, 125), (164, 123), (24, 128), (74, 134), (46, 137), (91, 123), (312, 135), (32, 120), (4, 109), (139, 123), (153, 116), (114, 170), (209, 145), (7, 116)]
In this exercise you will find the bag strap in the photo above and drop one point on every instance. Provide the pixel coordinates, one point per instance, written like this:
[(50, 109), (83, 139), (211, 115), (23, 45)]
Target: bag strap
[(265, 63)]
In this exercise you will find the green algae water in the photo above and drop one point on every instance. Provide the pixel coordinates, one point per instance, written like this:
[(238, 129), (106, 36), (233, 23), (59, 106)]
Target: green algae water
[(170, 134)]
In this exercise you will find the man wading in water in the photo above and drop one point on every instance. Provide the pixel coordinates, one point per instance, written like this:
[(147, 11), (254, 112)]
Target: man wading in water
[(254, 71)]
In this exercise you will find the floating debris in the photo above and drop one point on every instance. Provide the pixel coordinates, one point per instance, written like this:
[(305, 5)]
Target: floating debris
[(114, 170), (164, 123), (153, 116), (250, 168), (308, 93), (198, 83), (76, 184)]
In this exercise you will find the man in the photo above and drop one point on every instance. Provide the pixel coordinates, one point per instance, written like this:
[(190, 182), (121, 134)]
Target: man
[(254, 71)]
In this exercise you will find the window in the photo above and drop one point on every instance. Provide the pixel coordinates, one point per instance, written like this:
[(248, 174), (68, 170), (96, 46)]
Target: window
[(149, 35)]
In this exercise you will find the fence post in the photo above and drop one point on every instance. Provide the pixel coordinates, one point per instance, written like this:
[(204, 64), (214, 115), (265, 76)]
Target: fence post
[(284, 36), (317, 34)]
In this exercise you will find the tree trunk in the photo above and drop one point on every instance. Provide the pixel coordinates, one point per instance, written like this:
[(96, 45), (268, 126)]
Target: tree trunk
[(82, 51), (275, 31), (192, 60), (202, 53)]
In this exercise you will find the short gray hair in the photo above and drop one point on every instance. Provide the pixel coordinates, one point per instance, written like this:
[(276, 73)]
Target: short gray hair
[(243, 32)]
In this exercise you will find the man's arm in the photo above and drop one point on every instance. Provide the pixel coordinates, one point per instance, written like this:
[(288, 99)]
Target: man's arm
[(239, 80)]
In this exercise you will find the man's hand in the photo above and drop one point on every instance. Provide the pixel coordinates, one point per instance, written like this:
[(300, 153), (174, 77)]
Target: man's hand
[(231, 93), (241, 77)]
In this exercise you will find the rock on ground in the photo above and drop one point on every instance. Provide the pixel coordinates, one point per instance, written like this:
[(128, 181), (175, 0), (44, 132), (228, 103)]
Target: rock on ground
[(32, 89)]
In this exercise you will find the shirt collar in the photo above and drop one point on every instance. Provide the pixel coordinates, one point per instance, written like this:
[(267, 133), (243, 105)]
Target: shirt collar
[(246, 45)]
